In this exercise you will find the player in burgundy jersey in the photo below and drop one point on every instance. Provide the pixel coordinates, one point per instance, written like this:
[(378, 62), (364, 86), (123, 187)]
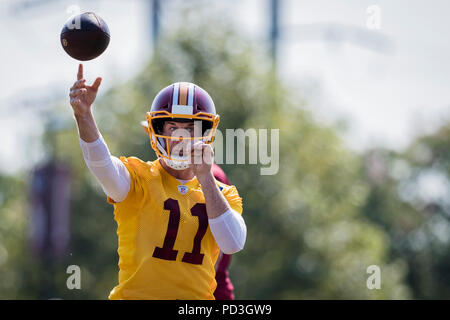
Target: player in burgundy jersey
[(225, 289)]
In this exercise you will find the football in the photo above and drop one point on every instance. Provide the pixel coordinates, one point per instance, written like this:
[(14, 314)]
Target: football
[(85, 36)]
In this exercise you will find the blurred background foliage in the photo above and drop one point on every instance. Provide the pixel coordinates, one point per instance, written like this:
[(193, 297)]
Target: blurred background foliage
[(313, 228)]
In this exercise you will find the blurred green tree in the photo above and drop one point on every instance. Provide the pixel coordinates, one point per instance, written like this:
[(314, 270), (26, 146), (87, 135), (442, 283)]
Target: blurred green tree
[(409, 198)]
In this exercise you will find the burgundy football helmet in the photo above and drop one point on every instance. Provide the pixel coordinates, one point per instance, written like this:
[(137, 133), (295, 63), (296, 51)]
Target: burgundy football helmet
[(181, 101)]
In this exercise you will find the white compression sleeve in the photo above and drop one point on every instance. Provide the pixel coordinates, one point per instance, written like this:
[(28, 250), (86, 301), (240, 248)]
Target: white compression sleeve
[(109, 170), (229, 231)]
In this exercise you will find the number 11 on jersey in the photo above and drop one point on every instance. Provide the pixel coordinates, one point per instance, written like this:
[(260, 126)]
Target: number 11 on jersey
[(167, 252)]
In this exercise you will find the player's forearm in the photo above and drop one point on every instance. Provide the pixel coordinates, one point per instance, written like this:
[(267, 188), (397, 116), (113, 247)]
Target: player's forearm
[(216, 204), (227, 226), (87, 128)]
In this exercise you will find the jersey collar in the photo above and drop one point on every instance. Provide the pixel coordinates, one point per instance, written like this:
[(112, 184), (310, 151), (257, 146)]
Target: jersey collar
[(191, 184)]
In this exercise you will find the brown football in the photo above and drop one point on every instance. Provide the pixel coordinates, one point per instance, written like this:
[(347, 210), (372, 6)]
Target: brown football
[(85, 36)]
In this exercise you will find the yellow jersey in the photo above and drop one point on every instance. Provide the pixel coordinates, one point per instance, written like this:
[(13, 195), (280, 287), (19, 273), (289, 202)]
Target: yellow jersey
[(166, 248)]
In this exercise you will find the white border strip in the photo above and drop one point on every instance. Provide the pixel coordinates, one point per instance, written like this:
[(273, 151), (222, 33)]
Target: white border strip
[(177, 109), (176, 89), (191, 95)]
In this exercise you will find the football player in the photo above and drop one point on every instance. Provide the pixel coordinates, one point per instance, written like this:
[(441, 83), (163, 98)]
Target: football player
[(173, 217), (225, 288)]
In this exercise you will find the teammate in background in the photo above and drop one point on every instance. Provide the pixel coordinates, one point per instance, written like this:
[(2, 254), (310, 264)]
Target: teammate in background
[(224, 289), (173, 217)]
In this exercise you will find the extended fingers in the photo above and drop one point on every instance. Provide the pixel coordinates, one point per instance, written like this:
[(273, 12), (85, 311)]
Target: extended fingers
[(96, 83), (80, 72)]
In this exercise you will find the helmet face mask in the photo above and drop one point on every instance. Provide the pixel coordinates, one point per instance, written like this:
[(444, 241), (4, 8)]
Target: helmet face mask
[(181, 102)]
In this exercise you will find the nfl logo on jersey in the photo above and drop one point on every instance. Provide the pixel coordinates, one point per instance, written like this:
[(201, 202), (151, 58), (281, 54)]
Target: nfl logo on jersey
[(183, 189)]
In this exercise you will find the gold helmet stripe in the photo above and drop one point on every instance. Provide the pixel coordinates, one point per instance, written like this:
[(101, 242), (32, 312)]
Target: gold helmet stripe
[(182, 100)]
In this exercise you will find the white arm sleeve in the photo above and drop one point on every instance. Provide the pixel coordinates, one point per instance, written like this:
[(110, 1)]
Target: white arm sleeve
[(109, 170), (229, 231)]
